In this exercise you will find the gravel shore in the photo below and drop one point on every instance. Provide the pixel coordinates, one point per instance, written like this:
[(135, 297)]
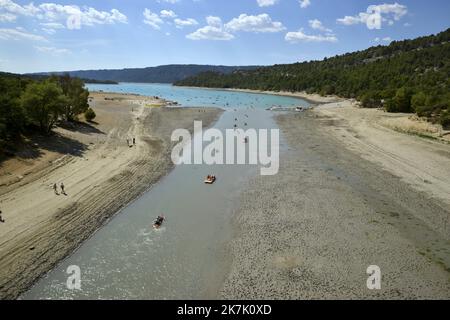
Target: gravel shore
[(312, 231)]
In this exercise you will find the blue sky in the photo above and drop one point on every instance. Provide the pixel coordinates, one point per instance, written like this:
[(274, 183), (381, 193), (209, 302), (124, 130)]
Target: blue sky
[(56, 35)]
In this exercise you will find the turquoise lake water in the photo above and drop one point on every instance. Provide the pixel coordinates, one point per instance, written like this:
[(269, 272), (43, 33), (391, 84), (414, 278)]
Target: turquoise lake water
[(193, 97)]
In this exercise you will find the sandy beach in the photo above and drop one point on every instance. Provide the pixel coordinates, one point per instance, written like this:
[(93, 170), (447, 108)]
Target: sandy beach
[(101, 174), (351, 192)]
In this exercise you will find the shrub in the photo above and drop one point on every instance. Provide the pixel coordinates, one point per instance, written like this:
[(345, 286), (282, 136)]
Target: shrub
[(424, 111), (418, 101), (370, 100), (401, 102), (90, 114), (391, 106)]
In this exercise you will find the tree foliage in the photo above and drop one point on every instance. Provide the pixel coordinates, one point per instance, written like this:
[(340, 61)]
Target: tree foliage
[(13, 118), (77, 96), (44, 103), (90, 114), (406, 76), (27, 103)]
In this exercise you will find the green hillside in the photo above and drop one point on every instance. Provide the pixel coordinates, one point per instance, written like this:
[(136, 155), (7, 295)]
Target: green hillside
[(405, 76)]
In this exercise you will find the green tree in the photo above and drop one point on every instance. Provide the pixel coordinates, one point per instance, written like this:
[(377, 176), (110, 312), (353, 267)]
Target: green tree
[(90, 114), (390, 105), (12, 116), (391, 73), (419, 105), (418, 100), (44, 103), (77, 97), (370, 99), (401, 102)]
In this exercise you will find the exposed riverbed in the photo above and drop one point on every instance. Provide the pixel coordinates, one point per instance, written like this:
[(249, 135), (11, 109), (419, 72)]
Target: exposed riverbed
[(187, 258)]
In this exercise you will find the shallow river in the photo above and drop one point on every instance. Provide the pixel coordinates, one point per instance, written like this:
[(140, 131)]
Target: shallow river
[(187, 258)]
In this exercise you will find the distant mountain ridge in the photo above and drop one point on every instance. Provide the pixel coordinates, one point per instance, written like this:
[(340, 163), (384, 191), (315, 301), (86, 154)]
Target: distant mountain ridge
[(160, 74)]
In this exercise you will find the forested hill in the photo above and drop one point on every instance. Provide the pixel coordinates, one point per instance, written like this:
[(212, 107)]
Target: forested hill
[(160, 74), (410, 75), (46, 76)]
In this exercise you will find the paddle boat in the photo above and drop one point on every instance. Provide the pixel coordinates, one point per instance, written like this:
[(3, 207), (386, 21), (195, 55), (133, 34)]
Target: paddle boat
[(210, 179), (158, 222)]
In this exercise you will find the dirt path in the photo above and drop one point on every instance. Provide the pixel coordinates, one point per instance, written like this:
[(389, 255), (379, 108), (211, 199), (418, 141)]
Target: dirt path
[(42, 228)]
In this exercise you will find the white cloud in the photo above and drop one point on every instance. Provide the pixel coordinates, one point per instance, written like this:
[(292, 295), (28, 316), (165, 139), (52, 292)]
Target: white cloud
[(152, 19), (56, 12), (49, 31), (213, 31), (168, 14), (53, 51), (155, 20), (19, 34), (52, 25), (385, 39), (210, 33), (317, 25), (300, 36), (397, 10), (349, 20), (185, 23), (376, 15), (7, 17), (214, 21), (267, 3), (304, 3), (258, 24), (216, 30), (12, 7)]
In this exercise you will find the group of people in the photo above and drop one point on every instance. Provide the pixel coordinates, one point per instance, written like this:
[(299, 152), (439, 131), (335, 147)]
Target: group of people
[(133, 142), (55, 188), (235, 125), (210, 177)]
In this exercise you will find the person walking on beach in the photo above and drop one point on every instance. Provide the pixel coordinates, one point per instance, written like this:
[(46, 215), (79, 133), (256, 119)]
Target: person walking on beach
[(134, 141), (55, 188), (1, 218), (62, 189), (128, 142)]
